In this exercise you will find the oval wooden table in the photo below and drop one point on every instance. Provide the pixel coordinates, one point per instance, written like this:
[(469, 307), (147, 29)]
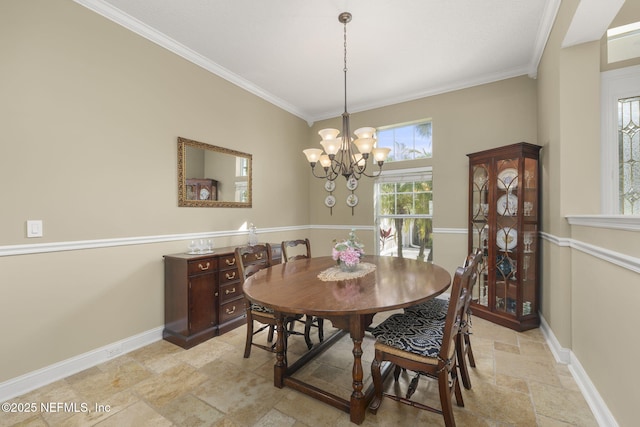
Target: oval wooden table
[(350, 305)]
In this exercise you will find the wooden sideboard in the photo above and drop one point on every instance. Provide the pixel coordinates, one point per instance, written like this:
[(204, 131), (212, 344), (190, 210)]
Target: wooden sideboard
[(203, 295)]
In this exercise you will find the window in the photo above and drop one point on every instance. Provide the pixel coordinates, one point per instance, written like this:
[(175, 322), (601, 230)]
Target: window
[(621, 141), (404, 209), (623, 42), (242, 166), (629, 155), (407, 142)]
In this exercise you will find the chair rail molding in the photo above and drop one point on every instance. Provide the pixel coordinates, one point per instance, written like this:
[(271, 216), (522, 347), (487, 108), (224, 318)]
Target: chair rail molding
[(617, 258), (37, 248)]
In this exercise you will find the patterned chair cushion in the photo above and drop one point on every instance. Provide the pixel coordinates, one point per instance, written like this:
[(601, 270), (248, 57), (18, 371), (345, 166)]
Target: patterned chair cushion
[(261, 309), (435, 308), (411, 333)]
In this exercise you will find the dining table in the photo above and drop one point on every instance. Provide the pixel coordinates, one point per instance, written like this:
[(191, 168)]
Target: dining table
[(349, 300)]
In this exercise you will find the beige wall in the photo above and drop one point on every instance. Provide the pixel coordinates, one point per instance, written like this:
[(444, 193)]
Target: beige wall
[(90, 117), (586, 299)]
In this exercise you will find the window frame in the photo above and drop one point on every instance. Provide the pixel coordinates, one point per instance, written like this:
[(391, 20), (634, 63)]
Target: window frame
[(400, 175), (405, 125), (615, 84)]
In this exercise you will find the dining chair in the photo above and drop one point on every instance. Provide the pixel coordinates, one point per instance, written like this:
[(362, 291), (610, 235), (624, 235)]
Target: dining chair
[(436, 309), (251, 259), (423, 345), (301, 249)]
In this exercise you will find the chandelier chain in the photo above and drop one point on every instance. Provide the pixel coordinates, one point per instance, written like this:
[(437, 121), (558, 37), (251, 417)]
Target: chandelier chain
[(345, 66)]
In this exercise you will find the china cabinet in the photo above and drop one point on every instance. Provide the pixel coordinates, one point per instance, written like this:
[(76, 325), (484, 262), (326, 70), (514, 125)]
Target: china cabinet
[(504, 205)]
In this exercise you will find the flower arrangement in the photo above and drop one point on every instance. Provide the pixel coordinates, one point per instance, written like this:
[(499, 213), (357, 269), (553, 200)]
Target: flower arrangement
[(348, 252)]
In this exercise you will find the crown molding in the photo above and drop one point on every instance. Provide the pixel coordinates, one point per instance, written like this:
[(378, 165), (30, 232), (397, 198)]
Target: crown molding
[(544, 31)]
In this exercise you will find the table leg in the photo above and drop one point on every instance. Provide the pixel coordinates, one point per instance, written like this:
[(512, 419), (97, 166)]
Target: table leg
[(280, 368), (358, 403)]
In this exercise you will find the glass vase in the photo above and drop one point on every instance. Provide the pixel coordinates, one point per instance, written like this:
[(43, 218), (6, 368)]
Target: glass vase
[(347, 268)]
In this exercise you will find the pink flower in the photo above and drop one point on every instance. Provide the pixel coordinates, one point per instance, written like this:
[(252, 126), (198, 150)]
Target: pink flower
[(350, 256)]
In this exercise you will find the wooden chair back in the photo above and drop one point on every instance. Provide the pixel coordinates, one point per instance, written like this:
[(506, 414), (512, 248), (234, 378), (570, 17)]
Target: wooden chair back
[(251, 259), (453, 322), (288, 252), (473, 261)]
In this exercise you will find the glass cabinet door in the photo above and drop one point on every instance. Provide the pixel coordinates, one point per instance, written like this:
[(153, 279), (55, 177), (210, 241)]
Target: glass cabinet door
[(506, 241), (480, 226)]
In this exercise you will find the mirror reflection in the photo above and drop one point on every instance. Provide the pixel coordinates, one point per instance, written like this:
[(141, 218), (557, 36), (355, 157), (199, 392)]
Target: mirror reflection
[(211, 176)]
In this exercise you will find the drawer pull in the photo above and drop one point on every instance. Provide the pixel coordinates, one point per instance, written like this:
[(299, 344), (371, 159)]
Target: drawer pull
[(204, 267), (230, 276), (259, 256), (230, 291), (233, 310), (231, 261)]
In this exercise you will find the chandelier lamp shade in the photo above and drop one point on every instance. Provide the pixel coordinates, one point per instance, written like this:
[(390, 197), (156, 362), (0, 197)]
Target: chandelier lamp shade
[(342, 154)]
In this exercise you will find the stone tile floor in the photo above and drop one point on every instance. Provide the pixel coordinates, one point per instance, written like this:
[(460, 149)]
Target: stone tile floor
[(516, 383)]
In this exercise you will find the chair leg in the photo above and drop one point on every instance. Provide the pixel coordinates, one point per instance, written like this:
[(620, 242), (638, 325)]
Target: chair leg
[(307, 330), (247, 345), (396, 373), (457, 390), (413, 386), (376, 375), (270, 334), (445, 398), (462, 363), (468, 350), (320, 328)]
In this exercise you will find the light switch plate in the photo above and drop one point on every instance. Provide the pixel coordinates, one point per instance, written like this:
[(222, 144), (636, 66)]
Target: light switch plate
[(34, 228)]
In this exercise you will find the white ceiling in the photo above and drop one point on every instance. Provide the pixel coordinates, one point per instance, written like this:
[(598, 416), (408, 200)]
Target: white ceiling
[(290, 52)]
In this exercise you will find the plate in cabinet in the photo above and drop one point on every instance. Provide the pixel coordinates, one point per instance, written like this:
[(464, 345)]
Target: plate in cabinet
[(507, 205), (507, 238), (508, 179)]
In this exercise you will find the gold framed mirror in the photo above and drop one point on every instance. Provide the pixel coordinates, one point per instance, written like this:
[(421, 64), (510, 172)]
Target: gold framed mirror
[(211, 176)]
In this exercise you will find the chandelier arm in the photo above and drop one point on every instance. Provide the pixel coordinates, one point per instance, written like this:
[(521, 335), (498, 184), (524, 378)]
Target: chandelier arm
[(313, 171), (374, 174)]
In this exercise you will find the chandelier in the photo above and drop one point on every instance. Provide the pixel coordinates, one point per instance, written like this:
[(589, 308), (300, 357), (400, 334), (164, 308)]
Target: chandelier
[(342, 155)]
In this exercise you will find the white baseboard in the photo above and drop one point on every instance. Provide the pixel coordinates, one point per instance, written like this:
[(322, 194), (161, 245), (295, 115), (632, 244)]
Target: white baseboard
[(601, 412), (41, 377)]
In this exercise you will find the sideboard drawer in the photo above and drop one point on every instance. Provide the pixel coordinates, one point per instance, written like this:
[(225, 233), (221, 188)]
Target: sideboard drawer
[(232, 309), (227, 261), (228, 276), (203, 266), (230, 291)]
